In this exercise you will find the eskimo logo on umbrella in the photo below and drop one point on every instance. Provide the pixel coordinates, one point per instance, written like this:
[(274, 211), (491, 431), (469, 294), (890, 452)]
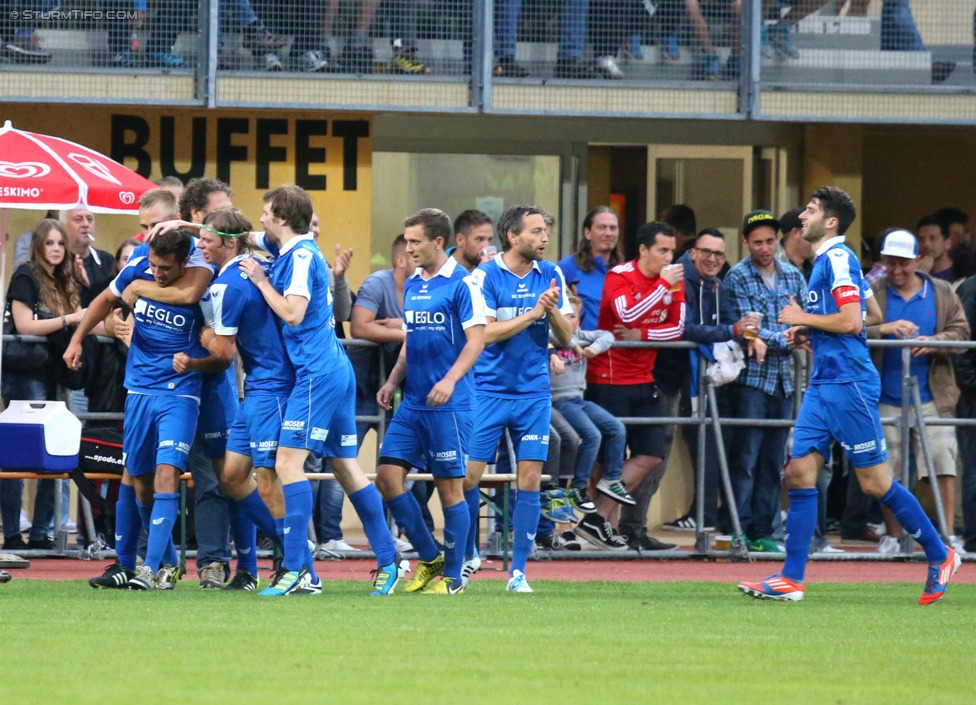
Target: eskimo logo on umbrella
[(127, 197), (23, 170), (93, 167)]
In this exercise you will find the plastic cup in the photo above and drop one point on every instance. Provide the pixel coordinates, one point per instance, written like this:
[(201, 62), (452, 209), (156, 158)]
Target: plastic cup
[(753, 333), (678, 285)]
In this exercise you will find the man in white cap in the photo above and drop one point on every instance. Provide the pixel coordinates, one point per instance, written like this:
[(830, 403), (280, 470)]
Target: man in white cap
[(918, 306)]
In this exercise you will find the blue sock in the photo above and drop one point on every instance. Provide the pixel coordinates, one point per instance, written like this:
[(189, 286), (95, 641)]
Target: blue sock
[(298, 510), (164, 511), (406, 511), (525, 519), (473, 499), (455, 527), (245, 535), (801, 520), (128, 524), (910, 515), (369, 507), (257, 511)]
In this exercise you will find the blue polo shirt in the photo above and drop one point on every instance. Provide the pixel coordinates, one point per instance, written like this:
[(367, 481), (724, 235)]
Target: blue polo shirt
[(920, 310)]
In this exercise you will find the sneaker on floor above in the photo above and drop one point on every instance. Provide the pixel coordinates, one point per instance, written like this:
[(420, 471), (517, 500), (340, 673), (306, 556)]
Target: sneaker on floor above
[(270, 62), (505, 67), (165, 60), (781, 40), (615, 490), (25, 48), (889, 545), (775, 587), (407, 63), (517, 583), (314, 62), (606, 67), (574, 69), (115, 577), (257, 37)]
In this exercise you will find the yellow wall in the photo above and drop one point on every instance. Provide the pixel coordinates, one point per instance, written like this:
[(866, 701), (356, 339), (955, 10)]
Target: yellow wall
[(343, 207)]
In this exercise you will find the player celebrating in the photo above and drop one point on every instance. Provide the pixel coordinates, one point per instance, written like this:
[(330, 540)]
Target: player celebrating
[(841, 404), (444, 320), (524, 296), (320, 415)]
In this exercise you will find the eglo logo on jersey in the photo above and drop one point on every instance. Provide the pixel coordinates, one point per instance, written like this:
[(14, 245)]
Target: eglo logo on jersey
[(153, 312), (422, 317)]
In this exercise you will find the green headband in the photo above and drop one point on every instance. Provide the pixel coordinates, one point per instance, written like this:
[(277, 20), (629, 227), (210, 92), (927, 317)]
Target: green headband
[(217, 232)]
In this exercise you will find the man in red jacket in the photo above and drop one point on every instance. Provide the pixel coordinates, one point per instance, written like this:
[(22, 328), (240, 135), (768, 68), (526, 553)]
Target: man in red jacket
[(639, 303)]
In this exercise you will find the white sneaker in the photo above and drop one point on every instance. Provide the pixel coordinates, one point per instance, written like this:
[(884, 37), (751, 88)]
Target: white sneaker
[(338, 545), (957, 545), (888, 544), (470, 567), (403, 546), (607, 67), (879, 529), (518, 583)]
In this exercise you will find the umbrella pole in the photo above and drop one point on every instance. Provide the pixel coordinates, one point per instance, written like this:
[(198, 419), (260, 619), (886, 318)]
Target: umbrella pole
[(3, 275)]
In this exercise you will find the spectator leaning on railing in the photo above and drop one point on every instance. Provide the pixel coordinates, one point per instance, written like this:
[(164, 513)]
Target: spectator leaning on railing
[(764, 390), (920, 307)]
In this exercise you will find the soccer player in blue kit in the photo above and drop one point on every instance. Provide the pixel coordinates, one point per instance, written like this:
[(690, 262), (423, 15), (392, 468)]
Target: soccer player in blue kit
[(444, 319), (161, 408), (320, 415), (524, 297), (840, 404)]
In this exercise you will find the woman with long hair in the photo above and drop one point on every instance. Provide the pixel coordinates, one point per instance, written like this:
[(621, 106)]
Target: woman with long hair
[(43, 299)]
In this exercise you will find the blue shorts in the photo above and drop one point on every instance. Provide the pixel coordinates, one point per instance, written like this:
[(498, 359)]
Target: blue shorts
[(321, 415), (157, 430), (219, 405), (256, 428), (527, 421), (431, 439), (846, 412)]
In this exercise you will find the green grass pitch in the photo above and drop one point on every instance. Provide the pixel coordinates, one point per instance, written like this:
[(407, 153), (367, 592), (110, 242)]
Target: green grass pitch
[(633, 643)]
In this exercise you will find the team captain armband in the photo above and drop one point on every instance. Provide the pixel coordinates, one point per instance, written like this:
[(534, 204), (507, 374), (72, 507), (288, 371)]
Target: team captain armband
[(846, 295)]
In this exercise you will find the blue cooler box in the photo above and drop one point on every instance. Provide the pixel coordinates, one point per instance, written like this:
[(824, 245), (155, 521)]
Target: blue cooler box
[(39, 436)]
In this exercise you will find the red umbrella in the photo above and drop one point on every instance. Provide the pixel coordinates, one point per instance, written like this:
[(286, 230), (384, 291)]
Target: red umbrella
[(41, 172)]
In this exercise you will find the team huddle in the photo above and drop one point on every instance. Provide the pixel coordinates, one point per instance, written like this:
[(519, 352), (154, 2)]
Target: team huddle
[(476, 363)]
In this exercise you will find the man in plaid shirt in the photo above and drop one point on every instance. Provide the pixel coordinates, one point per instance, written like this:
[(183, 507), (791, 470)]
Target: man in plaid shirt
[(764, 389)]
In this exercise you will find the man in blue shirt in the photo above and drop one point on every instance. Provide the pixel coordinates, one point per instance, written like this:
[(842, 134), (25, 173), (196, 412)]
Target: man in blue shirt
[(922, 307), (840, 404), (595, 254), (161, 410), (444, 320), (320, 415), (524, 297)]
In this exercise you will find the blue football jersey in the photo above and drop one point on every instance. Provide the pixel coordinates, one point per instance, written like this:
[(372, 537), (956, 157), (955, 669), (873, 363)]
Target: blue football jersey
[(836, 279), (518, 366), (160, 331), (234, 306), (436, 312), (312, 345)]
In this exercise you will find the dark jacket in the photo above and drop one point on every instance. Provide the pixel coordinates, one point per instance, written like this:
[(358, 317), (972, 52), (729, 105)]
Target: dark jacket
[(966, 363), (708, 319)]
